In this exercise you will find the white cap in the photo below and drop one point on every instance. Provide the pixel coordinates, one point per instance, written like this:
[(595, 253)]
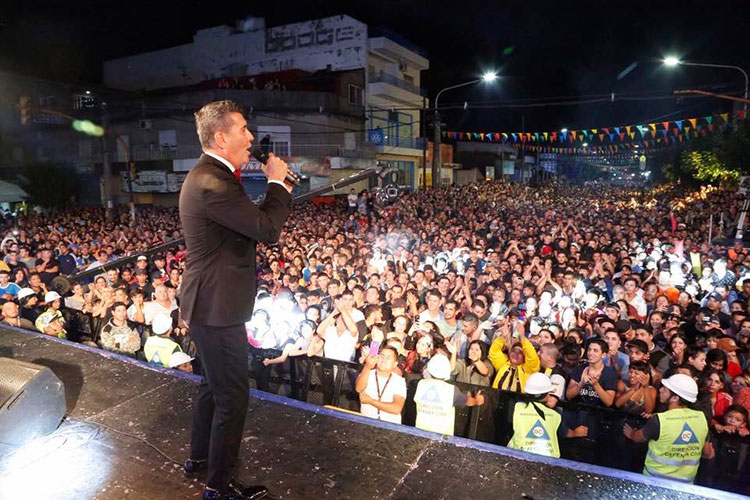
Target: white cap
[(682, 385), (538, 383), (25, 292), (179, 358), (141, 257), (51, 296), (439, 367), (161, 324)]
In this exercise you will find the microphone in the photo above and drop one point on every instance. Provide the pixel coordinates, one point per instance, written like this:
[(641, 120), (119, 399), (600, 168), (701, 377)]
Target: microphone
[(263, 157)]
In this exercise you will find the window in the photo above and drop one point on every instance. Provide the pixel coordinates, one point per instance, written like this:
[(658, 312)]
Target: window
[(280, 148), (49, 101), (81, 101), (398, 129), (356, 95), (402, 174), (167, 139)]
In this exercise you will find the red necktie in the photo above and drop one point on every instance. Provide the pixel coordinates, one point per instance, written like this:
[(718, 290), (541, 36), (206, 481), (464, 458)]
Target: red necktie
[(238, 175)]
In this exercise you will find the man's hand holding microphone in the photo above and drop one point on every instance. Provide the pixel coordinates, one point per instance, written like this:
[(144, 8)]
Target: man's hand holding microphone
[(276, 169)]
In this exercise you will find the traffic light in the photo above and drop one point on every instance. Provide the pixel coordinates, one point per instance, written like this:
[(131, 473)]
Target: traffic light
[(24, 109)]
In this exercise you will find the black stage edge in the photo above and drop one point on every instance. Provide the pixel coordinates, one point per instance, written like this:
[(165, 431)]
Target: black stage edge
[(296, 449)]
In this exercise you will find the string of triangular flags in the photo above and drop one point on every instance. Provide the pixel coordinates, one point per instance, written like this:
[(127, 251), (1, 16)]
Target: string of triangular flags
[(657, 135)]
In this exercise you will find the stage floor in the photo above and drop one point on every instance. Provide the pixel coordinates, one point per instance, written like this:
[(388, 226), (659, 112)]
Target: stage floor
[(297, 450)]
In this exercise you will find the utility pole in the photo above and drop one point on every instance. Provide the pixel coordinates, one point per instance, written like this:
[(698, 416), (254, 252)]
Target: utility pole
[(424, 143), (106, 167), (436, 149), (523, 150), (130, 171)]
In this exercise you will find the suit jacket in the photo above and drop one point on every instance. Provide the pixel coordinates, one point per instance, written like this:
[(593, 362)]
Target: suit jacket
[(221, 225)]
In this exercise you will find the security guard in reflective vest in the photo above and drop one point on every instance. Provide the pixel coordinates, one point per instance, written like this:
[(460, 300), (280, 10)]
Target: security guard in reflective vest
[(677, 437), (535, 425), (436, 399), (159, 350)]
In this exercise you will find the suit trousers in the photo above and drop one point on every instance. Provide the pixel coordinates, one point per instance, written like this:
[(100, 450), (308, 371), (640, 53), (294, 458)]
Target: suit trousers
[(221, 403)]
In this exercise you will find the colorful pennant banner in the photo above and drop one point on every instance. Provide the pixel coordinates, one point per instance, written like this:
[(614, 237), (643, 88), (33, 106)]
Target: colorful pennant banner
[(607, 139)]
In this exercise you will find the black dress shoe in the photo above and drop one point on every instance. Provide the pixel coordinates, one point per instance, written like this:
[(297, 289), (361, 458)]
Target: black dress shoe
[(194, 466), (217, 495), (252, 492)]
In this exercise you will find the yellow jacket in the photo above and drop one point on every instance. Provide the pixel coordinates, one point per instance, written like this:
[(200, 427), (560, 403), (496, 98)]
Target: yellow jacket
[(502, 364)]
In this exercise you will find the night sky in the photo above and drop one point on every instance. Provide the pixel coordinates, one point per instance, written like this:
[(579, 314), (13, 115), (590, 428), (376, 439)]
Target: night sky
[(557, 51)]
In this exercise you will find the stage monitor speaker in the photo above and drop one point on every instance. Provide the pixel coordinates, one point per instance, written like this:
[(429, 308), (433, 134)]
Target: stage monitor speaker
[(32, 401)]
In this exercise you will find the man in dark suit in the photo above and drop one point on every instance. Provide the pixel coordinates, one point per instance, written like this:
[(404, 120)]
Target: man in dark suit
[(221, 225)]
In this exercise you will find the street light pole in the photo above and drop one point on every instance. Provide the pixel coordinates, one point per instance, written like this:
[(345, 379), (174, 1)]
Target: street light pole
[(673, 61), (487, 77), (436, 137)]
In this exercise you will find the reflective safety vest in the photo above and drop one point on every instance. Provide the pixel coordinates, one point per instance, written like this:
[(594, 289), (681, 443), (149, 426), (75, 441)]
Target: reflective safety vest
[(677, 453), (435, 411), (159, 350), (533, 433)]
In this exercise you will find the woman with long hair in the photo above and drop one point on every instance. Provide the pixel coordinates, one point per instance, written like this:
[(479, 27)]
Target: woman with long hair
[(424, 349), (715, 385), (637, 396), (677, 349), (696, 357), (474, 368), (21, 277)]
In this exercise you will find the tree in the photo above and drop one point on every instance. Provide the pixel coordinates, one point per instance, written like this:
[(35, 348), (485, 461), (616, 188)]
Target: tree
[(714, 158), (48, 185), (706, 166)]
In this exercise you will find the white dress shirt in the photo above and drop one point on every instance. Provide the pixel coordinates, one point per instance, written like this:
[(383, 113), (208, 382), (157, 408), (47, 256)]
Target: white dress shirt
[(232, 169)]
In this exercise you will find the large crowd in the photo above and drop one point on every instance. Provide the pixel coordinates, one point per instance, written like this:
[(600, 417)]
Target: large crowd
[(607, 291)]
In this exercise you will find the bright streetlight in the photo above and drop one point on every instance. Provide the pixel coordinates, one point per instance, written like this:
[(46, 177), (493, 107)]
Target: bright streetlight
[(672, 61), (487, 77)]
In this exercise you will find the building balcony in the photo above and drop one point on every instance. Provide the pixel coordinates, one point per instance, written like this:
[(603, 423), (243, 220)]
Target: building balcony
[(383, 77), (405, 146), (391, 89), (392, 46)]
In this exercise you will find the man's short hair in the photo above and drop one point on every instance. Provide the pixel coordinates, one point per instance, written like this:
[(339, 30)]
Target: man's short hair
[(471, 318), (390, 348), (372, 309), (551, 350), (118, 304), (601, 343), (212, 118)]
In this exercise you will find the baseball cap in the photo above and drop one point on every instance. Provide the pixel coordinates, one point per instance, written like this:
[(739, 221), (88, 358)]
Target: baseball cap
[(179, 358), (141, 271), (142, 257), (715, 295), (51, 296), (727, 344), (46, 319), (638, 344), (161, 324), (622, 326)]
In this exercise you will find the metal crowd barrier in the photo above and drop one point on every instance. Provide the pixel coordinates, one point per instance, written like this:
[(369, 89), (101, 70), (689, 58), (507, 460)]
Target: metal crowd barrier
[(325, 381)]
